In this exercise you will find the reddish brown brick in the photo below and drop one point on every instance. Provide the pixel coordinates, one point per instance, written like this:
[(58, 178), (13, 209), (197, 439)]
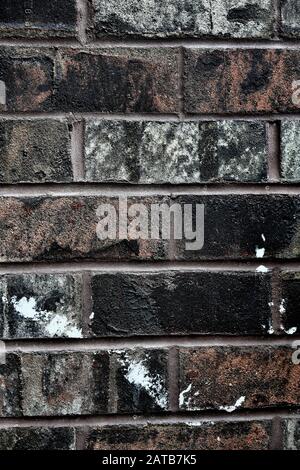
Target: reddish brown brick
[(233, 378), (240, 81)]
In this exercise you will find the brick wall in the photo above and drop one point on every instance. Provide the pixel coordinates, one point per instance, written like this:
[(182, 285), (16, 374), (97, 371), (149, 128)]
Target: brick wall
[(135, 343)]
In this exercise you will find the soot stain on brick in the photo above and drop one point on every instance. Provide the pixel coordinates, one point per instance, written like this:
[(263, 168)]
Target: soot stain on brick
[(247, 13)]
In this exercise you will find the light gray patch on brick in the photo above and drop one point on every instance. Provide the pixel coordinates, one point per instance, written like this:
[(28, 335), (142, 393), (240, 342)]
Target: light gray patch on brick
[(2, 93), (194, 18), (290, 151)]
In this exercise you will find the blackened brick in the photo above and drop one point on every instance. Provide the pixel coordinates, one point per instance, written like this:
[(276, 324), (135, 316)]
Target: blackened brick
[(180, 303), (290, 18), (170, 152), (289, 303), (240, 81), (41, 306), (11, 385), (291, 434), (233, 378), (249, 435), (118, 80), (38, 18), (192, 18), (290, 151), (35, 151), (66, 383), (141, 381), (26, 79), (37, 438)]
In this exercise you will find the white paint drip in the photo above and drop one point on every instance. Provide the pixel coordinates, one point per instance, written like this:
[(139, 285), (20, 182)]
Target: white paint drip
[(92, 316), (291, 331), (182, 397), (260, 252), (139, 375), (2, 92), (232, 408), (271, 330), (282, 308), (263, 237), (262, 269)]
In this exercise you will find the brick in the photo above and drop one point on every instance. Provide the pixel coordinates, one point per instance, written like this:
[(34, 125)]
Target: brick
[(290, 151), (37, 18), (248, 435), (41, 306), (118, 80), (159, 152), (40, 438), (289, 303), (235, 378), (26, 79), (240, 81), (65, 383), (35, 151), (171, 303), (291, 434), (11, 386), (290, 18), (192, 18), (238, 226), (141, 381)]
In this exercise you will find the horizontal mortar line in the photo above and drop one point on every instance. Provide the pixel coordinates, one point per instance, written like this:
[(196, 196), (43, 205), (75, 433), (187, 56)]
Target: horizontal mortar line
[(97, 267), (192, 418), (113, 343), (160, 117), (140, 43), (117, 189)]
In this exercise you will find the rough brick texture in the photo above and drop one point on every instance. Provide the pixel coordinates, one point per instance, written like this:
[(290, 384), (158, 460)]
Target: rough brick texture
[(149, 224)]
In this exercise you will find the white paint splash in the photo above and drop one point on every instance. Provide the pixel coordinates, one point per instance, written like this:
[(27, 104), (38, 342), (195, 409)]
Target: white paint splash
[(291, 331), (92, 316), (26, 307), (263, 237), (260, 252), (232, 408), (59, 326), (2, 92), (138, 375), (182, 397), (271, 330), (282, 308), (262, 269)]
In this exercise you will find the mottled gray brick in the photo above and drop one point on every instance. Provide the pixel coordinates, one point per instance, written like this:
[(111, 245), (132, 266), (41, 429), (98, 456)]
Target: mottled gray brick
[(290, 151), (169, 152), (291, 434), (190, 18), (10, 386), (290, 18), (41, 306), (41, 438), (35, 151)]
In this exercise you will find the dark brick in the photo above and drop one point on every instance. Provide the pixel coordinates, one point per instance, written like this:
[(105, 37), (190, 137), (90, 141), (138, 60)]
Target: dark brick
[(42, 438), (290, 301), (118, 80), (11, 386), (160, 152), (41, 306), (38, 18), (26, 79), (240, 81), (65, 383), (236, 227), (141, 381), (290, 18), (233, 378), (290, 151), (191, 18), (291, 434), (248, 435), (35, 151), (180, 303)]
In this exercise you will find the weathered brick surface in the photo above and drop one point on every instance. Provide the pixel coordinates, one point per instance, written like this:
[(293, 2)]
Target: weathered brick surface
[(11, 386), (233, 378), (290, 18), (290, 151), (192, 18), (41, 438), (38, 18), (170, 152), (35, 151), (240, 81), (180, 303), (250, 435), (61, 228), (291, 434), (41, 306), (289, 303)]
